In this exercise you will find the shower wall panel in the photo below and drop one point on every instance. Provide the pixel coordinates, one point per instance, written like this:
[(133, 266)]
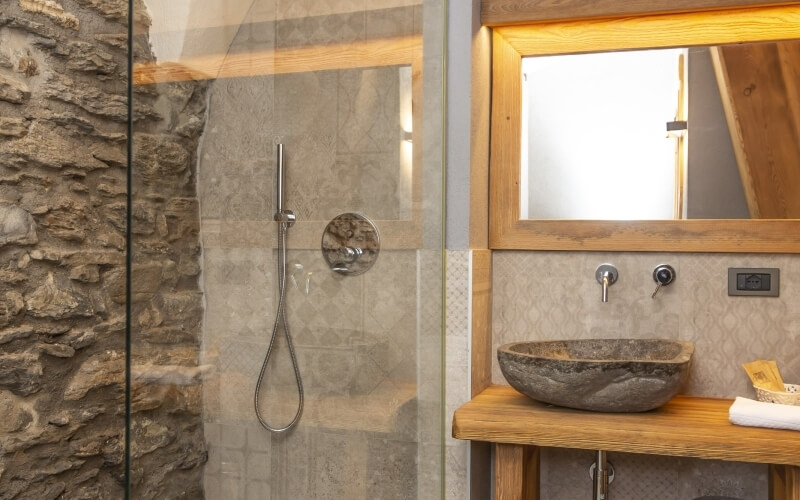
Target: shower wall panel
[(356, 337), (167, 449), (357, 139), (62, 222)]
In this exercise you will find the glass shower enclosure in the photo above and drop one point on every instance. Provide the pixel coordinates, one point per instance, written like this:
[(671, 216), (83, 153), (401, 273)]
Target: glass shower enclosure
[(343, 262)]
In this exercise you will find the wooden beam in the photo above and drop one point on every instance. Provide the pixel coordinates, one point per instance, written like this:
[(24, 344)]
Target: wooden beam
[(481, 320), (506, 138), (510, 12), (362, 54), (669, 30), (481, 355), (784, 482), (516, 474), (687, 235), (759, 89), (480, 100)]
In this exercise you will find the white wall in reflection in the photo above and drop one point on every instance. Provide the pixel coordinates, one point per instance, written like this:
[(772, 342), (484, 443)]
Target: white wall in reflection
[(594, 141)]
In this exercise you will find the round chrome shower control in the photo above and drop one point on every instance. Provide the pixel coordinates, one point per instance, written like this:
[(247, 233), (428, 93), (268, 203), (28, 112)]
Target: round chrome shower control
[(350, 244)]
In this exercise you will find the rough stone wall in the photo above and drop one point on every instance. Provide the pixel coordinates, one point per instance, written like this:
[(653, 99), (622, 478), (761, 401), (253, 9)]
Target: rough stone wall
[(168, 448), (62, 261)]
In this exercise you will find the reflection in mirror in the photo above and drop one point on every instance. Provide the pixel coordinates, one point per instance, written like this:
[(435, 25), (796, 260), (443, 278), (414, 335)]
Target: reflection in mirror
[(596, 145)]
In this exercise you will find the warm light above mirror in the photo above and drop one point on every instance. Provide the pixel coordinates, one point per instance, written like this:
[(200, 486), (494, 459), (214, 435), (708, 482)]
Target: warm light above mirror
[(508, 230)]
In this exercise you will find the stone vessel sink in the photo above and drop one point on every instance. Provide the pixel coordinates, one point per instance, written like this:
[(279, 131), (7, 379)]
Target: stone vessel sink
[(614, 375)]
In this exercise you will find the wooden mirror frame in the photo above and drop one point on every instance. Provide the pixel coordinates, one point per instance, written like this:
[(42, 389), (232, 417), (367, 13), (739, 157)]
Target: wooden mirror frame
[(507, 231)]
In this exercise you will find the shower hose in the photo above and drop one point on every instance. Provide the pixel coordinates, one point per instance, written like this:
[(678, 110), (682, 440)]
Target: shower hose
[(280, 319)]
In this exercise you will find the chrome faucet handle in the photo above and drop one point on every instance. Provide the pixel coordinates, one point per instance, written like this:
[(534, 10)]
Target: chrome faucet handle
[(606, 275), (350, 254), (663, 275)]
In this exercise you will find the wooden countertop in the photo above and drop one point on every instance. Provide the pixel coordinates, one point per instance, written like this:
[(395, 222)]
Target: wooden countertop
[(686, 426)]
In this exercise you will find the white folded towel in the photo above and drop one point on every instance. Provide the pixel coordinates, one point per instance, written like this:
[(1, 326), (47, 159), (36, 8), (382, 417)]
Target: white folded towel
[(757, 414)]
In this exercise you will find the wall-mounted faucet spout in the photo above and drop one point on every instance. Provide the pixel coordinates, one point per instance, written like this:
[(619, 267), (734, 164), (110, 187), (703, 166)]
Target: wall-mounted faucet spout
[(606, 275)]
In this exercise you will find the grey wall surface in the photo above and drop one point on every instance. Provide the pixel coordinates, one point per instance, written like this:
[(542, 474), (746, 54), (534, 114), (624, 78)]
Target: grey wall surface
[(715, 188), (463, 19)]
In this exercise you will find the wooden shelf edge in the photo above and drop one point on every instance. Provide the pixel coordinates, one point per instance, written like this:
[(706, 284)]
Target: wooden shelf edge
[(687, 426)]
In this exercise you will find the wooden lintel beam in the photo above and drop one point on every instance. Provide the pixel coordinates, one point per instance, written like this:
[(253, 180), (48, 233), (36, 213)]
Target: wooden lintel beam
[(362, 54)]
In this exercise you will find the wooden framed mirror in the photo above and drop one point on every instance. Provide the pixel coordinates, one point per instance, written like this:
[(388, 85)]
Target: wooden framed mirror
[(510, 230)]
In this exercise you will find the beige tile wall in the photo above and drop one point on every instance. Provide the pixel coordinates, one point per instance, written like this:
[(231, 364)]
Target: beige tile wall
[(457, 361), (550, 295), (369, 347)]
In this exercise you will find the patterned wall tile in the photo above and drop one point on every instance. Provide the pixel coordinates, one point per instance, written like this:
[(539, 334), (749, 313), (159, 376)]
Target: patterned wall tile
[(565, 475), (550, 295), (321, 30), (357, 332), (729, 331), (361, 342), (391, 472), (389, 23), (457, 379), (236, 155)]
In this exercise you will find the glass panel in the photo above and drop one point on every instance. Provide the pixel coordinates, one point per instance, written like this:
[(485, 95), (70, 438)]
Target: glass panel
[(353, 95), (62, 249)]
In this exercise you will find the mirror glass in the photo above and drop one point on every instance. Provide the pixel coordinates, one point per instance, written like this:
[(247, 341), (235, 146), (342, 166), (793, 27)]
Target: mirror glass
[(699, 132)]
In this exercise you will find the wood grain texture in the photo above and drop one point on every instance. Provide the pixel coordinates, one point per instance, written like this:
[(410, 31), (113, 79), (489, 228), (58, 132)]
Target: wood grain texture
[(510, 12), (682, 148), (734, 129), (694, 235), (516, 472), (760, 99), (669, 30), (480, 103), (686, 427), (505, 140), (784, 482), (480, 472), (508, 232), (482, 351), (361, 54)]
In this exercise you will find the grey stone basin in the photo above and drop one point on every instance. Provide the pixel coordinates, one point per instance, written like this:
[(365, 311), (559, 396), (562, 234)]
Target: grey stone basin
[(614, 375)]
